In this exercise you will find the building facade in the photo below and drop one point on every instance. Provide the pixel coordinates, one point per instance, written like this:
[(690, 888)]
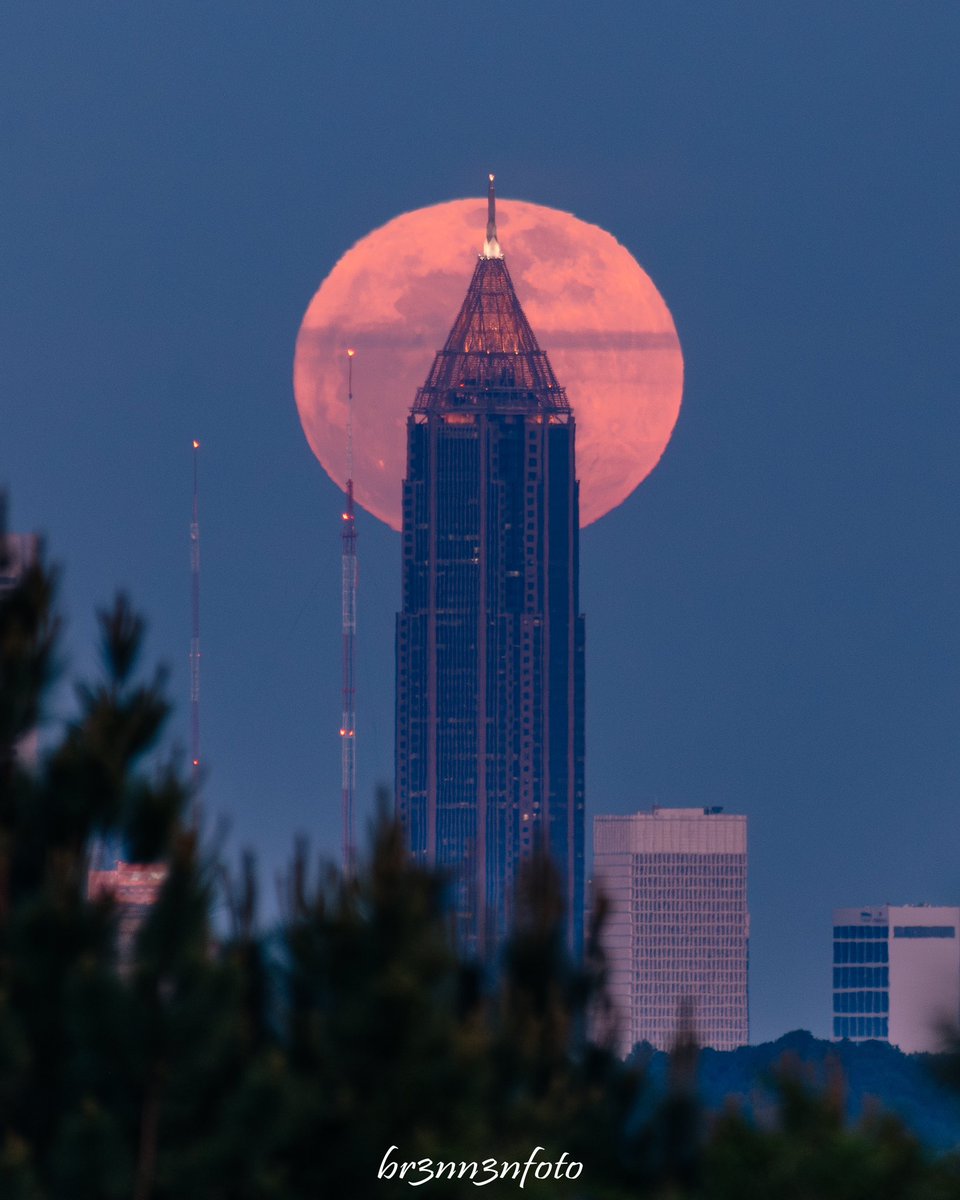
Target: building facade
[(676, 937), (490, 640), (134, 888), (896, 975), (18, 551)]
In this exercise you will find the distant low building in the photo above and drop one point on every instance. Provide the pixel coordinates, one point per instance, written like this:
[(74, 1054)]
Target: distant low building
[(677, 935), (896, 974), (134, 888)]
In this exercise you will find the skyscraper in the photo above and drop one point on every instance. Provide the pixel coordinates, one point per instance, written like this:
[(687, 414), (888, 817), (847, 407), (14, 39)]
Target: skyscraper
[(489, 728), (677, 935), (896, 974)]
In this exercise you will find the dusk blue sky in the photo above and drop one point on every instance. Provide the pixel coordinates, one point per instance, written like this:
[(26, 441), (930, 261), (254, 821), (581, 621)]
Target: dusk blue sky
[(772, 619)]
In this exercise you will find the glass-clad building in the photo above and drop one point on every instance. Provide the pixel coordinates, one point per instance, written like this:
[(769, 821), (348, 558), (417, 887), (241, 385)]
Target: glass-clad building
[(896, 974), (489, 639)]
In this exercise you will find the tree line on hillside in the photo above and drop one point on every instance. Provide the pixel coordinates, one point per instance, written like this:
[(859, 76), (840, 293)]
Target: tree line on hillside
[(874, 1074), (315, 1062)]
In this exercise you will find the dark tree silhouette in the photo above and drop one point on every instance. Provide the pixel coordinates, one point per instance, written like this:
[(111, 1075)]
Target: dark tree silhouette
[(237, 1065)]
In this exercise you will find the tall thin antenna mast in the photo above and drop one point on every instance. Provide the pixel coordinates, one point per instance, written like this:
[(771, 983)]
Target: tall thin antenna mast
[(348, 726), (195, 639)]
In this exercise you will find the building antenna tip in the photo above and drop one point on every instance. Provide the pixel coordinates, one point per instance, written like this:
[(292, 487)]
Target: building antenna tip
[(491, 247)]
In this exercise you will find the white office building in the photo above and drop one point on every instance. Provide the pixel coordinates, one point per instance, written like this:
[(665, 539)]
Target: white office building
[(896, 974), (677, 934)]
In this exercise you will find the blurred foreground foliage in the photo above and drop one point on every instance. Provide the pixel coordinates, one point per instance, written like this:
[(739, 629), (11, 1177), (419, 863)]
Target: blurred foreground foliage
[(252, 1066)]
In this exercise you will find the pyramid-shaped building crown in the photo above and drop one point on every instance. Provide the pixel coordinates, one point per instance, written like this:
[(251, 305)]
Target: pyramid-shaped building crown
[(491, 358)]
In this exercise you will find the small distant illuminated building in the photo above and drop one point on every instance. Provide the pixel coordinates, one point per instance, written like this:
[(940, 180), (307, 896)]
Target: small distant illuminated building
[(18, 552), (896, 975), (134, 888), (677, 935)]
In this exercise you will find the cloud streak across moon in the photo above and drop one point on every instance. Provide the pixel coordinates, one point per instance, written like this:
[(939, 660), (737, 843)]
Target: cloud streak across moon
[(394, 296)]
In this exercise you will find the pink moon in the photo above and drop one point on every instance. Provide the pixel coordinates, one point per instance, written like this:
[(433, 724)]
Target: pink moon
[(393, 298)]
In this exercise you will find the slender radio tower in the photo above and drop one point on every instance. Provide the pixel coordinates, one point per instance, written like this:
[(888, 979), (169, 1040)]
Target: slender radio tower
[(195, 639), (348, 726)]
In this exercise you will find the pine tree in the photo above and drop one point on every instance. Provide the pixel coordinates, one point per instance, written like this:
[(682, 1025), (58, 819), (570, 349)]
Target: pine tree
[(238, 1066)]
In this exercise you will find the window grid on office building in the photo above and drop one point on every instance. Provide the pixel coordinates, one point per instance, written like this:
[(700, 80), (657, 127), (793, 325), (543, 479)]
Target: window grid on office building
[(677, 936)]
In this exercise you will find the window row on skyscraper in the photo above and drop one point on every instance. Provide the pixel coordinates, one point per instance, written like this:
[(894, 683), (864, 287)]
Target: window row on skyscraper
[(688, 897), (708, 865), (705, 912), (861, 1002), (717, 976), (665, 1015), (852, 977), (680, 982), (860, 952), (685, 938), (861, 1027), (665, 868)]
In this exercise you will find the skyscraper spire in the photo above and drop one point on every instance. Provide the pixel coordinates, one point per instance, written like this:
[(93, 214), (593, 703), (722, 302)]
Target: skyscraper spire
[(491, 247), (491, 355)]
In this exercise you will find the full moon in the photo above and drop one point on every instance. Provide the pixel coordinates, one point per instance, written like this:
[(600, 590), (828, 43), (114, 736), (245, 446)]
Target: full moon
[(393, 298)]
